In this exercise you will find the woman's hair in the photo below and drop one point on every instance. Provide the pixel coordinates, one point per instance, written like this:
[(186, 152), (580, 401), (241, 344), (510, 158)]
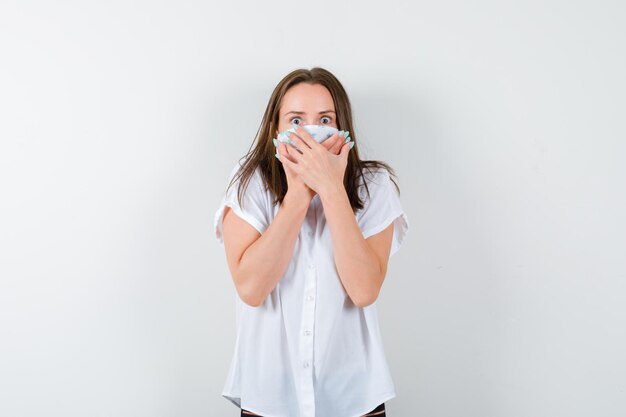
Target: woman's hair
[(261, 153)]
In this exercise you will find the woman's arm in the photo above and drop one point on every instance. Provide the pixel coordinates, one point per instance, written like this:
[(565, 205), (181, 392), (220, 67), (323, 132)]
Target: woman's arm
[(361, 263), (257, 262)]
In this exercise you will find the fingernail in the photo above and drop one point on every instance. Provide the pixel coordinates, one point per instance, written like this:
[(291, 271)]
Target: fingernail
[(351, 145), (275, 142), (277, 157), (347, 133), (347, 139), (341, 133), (295, 126)]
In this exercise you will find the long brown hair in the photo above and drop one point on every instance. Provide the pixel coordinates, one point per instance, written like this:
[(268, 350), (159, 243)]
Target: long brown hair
[(261, 153)]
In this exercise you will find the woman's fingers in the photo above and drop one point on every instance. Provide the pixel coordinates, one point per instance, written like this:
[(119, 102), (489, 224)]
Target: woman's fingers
[(293, 144), (300, 145), (302, 139), (339, 141), (293, 153), (294, 148), (286, 161), (285, 153), (329, 143), (305, 136)]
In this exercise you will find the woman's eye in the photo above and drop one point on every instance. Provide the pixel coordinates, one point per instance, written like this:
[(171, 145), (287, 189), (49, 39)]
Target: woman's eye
[(326, 117), (292, 120)]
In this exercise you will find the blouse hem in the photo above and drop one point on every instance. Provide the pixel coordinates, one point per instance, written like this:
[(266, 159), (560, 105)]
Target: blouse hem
[(375, 404), (233, 399), (236, 399)]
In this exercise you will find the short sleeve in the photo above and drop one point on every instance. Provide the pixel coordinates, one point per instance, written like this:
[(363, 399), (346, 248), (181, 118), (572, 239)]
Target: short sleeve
[(254, 207), (381, 208)]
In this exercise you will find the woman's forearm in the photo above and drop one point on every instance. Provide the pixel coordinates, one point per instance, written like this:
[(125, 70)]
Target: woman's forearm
[(265, 261), (357, 265)]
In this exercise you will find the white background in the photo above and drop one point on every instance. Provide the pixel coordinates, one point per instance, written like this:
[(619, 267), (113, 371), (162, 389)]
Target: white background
[(120, 121)]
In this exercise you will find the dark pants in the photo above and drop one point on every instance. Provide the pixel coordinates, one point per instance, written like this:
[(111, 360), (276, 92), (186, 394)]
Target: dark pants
[(381, 407)]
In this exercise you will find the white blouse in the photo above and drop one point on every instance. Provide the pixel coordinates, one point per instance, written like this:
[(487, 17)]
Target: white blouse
[(307, 350)]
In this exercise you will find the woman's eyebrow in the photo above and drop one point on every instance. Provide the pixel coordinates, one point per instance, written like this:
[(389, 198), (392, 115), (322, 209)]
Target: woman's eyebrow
[(301, 112)]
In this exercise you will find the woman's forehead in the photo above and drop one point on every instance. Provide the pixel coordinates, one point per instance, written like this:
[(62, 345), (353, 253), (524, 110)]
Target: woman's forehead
[(305, 98)]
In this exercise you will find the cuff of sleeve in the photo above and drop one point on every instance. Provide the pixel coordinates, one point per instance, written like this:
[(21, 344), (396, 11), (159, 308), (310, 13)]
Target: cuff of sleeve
[(219, 218), (400, 229)]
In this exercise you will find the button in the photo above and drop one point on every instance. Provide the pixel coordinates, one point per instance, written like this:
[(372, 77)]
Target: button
[(309, 297), (305, 364), (307, 332)]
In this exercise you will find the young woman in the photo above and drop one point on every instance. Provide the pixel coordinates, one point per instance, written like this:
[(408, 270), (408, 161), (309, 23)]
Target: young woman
[(308, 228)]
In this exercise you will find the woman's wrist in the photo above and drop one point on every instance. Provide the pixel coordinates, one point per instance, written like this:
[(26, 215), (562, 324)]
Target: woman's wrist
[(298, 197)]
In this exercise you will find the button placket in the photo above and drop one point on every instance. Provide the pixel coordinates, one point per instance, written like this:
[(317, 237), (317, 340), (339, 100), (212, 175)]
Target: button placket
[(307, 324), (306, 342)]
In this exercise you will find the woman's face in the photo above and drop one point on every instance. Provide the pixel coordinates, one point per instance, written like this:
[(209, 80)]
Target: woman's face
[(306, 104)]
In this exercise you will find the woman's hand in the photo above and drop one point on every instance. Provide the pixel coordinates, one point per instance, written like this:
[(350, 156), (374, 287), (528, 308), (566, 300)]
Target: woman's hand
[(295, 183), (312, 162)]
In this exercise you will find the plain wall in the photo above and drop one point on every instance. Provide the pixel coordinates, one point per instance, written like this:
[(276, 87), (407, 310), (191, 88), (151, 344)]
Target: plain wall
[(120, 120)]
